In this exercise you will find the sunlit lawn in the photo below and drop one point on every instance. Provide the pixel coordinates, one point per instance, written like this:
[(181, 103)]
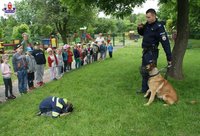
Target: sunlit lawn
[(105, 101)]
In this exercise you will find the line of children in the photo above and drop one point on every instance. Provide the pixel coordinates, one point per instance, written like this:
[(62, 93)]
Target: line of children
[(31, 65)]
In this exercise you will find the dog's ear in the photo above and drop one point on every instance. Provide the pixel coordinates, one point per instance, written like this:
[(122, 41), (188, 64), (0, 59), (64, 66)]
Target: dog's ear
[(153, 65), (148, 66)]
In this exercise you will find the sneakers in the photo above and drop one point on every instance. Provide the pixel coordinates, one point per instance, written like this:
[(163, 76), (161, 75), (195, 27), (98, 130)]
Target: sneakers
[(31, 88), (10, 97), (40, 83), (13, 97)]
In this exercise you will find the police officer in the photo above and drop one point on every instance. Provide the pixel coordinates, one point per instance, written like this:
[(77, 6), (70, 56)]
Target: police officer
[(54, 106), (153, 32)]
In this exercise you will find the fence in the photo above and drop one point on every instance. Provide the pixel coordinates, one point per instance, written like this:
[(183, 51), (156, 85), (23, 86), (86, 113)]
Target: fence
[(117, 39)]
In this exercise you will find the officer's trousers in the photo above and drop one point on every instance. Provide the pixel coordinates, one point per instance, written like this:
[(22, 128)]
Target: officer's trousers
[(149, 56)]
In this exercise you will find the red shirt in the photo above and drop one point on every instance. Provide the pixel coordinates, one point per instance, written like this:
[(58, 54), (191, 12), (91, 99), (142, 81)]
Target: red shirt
[(50, 61)]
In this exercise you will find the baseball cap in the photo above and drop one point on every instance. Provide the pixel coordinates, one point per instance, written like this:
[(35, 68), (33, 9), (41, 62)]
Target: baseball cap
[(29, 49), (17, 46)]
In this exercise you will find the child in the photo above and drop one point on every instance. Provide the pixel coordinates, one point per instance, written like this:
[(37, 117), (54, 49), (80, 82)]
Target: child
[(65, 57), (53, 63), (60, 62), (102, 50), (110, 49), (31, 68), (70, 59), (77, 56), (89, 53), (6, 73), (40, 59), (20, 69)]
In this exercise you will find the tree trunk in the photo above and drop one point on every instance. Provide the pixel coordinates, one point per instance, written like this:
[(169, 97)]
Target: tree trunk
[(64, 37), (62, 28), (176, 71)]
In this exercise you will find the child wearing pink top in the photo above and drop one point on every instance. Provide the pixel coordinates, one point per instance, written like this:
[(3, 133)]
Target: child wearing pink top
[(6, 73)]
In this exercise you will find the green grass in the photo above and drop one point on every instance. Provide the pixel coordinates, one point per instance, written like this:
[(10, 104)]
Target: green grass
[(105, 101), (193, 43)]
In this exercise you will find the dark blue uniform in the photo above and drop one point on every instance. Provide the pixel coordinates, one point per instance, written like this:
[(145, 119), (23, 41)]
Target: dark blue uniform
[(53, 104), (152, 35)]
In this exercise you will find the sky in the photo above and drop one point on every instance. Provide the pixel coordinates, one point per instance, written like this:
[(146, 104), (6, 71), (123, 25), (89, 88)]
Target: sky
[(148, 4), (142, 9)]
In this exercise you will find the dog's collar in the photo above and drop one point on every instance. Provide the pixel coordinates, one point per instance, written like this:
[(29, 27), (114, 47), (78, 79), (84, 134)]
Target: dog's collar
[(154, 74)]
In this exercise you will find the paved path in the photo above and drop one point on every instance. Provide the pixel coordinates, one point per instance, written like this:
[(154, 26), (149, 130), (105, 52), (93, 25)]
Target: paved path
[(46, 79)]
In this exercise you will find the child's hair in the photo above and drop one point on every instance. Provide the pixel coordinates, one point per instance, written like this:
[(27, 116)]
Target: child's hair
[(5, 56)]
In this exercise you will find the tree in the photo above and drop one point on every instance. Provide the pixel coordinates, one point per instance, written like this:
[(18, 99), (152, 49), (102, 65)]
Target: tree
[(7, 25), (124, 7), (19, 30), (194, 19), (62, 18), (181, 40), (1, 33), (46, 30), (103, 25)]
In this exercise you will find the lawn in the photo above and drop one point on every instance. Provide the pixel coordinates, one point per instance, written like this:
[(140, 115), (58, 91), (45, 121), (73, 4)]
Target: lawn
[(105, 101)]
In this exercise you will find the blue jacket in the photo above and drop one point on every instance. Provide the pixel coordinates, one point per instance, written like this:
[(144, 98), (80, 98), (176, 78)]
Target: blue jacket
[(153, 34), (110, 48), (65, 56), (76, 53), (54, 104)]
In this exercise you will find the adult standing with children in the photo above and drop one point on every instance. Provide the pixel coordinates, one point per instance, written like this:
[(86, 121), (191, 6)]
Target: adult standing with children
[(20, 68), (25, 42), (100, 39), (153, 32)]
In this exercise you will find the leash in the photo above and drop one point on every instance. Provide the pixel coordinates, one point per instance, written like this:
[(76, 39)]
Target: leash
[(165, 70)]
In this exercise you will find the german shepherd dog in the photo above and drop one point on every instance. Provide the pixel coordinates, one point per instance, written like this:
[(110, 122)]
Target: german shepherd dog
[(160, 87)]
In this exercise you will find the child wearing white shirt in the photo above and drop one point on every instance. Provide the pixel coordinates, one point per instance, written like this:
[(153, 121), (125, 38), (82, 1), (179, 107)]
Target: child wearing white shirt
[(53, 63), (60, 62), (6, 73)]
